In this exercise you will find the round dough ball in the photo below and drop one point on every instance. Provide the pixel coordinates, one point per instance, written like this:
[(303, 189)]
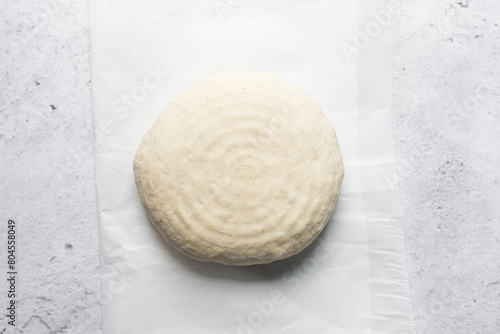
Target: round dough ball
[(241, 168)]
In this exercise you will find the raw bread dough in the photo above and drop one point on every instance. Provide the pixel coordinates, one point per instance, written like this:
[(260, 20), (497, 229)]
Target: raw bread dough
[(241, 168)]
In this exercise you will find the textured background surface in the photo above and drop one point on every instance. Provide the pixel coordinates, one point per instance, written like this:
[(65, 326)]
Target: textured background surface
[(47, 172), (446, 108)]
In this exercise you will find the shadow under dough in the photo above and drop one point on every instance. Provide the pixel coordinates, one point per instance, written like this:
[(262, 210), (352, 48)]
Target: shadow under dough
[(254, 273)]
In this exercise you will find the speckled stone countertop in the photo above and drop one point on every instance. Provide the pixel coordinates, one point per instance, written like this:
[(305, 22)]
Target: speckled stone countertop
[(446, 108)]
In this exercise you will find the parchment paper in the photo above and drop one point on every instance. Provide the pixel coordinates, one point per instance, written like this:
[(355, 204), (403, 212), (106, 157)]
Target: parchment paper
[(353, 279)]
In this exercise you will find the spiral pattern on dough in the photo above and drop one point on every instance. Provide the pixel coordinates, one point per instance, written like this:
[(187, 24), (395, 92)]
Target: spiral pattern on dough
[(241, 168)]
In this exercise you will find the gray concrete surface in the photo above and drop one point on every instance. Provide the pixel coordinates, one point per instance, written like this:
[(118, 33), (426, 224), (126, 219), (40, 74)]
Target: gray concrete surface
[(446, 108), (446, 112), (47, 170)]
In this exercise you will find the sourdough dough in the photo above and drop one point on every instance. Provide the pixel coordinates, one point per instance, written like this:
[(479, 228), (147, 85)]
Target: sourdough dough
[(241, 168)]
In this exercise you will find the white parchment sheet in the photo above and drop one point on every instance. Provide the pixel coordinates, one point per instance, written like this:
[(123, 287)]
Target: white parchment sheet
[(353, 279)]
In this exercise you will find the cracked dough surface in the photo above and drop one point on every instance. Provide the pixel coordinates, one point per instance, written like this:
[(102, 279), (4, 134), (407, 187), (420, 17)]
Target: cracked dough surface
[(241, 168)]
